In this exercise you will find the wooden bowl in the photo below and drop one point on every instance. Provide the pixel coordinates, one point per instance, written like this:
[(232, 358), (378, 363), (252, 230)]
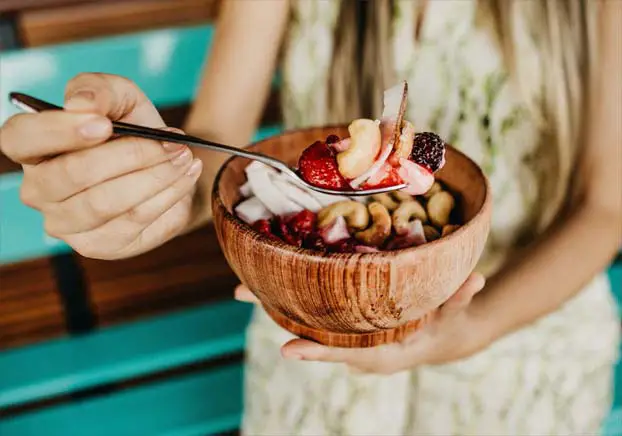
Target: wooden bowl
[(351, 300)]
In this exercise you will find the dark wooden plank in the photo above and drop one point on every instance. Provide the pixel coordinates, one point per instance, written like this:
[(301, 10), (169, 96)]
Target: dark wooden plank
[(113, 17), (30, 307), (188, 271)]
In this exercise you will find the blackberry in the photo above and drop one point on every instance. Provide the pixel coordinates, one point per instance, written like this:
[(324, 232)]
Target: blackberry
[(428, 150)]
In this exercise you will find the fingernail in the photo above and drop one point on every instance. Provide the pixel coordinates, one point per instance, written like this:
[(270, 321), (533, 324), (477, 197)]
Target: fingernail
[(292, 356), (95, 128), (183, 158), (195, 168), (172, 147)]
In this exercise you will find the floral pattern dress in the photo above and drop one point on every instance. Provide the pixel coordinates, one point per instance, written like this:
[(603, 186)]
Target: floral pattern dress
[(553, 377)]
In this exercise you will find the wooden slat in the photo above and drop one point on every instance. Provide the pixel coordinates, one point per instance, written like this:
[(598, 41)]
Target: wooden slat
[(122, 352), (197, 404), (30, 307), (21, 5), (187, 271), (112, 17)]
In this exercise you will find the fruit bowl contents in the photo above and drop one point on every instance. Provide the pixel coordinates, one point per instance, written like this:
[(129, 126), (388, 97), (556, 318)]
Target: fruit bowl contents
[(281, 210), (377, 154), (351, 299)]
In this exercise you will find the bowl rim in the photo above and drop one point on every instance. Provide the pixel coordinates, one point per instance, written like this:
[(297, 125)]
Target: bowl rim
[(280, 245)]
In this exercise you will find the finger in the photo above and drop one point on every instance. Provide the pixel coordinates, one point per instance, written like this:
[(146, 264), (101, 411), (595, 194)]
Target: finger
[(113, 96), (302, 349), (245, 295), (147, 226), (30, 138), (57, 179), (104, 202), (98, 244), (463, 296)]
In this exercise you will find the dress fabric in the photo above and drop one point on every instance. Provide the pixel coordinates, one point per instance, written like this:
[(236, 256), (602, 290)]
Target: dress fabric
[(553, 377)]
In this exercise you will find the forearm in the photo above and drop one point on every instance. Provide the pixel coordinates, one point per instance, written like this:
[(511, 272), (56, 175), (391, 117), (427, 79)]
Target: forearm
[(235, 85), (551, 271)]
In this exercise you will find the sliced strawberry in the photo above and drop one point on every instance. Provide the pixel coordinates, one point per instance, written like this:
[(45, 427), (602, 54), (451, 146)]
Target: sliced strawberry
[(318, 166)]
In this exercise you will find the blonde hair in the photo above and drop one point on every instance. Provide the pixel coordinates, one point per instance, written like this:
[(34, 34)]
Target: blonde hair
[(564, 32)]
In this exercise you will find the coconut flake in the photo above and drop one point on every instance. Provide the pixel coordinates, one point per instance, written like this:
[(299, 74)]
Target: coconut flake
[(252, 210), (263, 188), (245, 190), (295, 193), (335, 231)]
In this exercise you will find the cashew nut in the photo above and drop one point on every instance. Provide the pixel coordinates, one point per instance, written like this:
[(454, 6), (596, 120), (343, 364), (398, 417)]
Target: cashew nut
[(407, 212), (386, 201), (440, 206), (449, 229), (436, 187), (364, 147), (380, 229), (402, 196), (431, 234), (355, 213)]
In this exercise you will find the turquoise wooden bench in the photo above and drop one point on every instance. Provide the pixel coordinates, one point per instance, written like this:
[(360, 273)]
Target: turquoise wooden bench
[(166, 64)]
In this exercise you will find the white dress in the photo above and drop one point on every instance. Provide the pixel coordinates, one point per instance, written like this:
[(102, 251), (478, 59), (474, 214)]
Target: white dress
[(551, 378)]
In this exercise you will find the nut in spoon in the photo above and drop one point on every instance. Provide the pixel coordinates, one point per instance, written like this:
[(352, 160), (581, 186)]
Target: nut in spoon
[(31, 104)]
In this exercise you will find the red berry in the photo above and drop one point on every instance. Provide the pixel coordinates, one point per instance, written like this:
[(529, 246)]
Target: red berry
[(318, 166), (314, 241), (282, 230), (428, 150), (263, 227), (302, 223)]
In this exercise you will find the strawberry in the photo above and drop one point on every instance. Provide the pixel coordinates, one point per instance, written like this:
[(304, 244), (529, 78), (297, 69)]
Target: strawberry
[(302, 223), (318, 166)]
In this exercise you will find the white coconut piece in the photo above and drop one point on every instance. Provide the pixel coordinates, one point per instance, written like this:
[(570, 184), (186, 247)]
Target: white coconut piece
[(336, 231), (252, 210), (295, 193), (393, 101), (245, 190), (263, 188)]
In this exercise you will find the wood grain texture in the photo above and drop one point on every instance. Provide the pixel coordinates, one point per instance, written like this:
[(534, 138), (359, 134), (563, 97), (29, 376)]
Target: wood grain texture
[(352, 300), (188, 271), (97, 19)]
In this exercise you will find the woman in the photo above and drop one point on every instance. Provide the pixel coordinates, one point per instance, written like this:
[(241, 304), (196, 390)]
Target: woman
[(530, 90)]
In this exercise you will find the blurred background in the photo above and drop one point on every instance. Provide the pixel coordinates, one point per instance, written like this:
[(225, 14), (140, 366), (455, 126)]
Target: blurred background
[(146, 346)]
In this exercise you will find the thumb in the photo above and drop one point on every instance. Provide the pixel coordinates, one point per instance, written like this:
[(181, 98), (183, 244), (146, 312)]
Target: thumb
[(115, 97)]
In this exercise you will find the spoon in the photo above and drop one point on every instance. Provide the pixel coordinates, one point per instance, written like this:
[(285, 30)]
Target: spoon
[(31, 104)]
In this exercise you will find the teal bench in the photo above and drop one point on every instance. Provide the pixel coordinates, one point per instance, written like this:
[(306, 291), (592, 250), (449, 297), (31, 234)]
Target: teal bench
[(166, 64)]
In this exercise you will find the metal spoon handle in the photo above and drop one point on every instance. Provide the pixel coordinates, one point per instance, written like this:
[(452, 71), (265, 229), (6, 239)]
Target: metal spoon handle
[(32, 104)]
